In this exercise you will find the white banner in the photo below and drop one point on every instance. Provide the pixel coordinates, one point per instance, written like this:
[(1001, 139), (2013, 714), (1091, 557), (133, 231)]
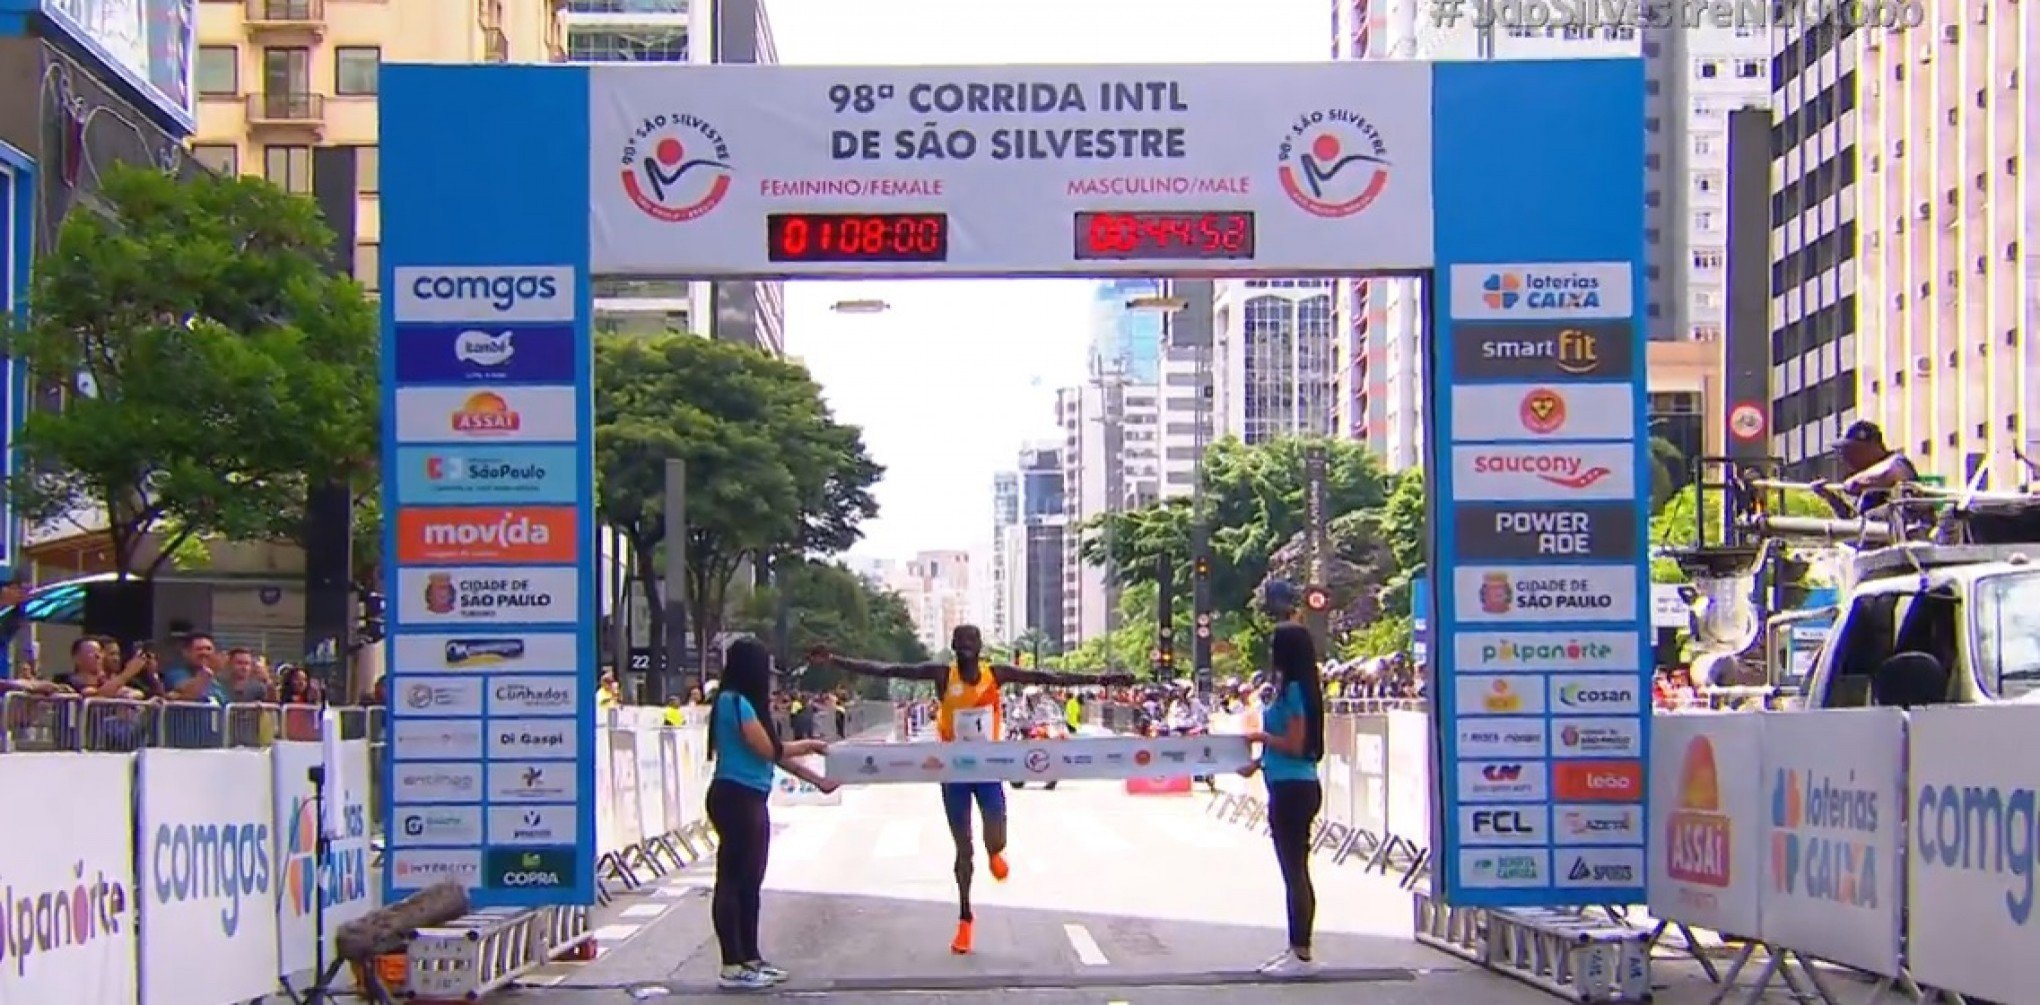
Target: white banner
[(1409, 776), (1706, 808), (651, 787), (790, 791), (1835, 788), (669, 776), (1975, 857), (67, 921), (1053, 760), (608, 838), (206, 868), (1009, 170), (343, 882), (623, 776)]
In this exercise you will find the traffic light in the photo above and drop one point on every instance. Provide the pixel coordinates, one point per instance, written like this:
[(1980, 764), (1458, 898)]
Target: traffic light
[(1201, 567), (372, 624)]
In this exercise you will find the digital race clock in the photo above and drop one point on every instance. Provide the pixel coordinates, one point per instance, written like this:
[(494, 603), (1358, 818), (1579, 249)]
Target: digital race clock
[(857, 237), (1167, 235)]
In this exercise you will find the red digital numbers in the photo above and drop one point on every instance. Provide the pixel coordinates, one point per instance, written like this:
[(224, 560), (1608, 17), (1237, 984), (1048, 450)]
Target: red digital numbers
[(1164, 235), (857, 237)]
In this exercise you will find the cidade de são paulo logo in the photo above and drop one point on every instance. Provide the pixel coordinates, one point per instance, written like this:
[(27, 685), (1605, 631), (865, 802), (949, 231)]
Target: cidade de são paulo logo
[(1333, 162), (676, 167)]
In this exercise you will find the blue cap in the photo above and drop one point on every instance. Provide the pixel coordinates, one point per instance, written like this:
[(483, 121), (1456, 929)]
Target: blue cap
[(1280, 596)]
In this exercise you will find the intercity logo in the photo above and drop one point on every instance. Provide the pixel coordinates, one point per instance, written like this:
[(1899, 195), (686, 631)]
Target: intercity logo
[(1820, 831)]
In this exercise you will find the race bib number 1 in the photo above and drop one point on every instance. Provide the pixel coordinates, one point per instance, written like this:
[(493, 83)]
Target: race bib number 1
[(973, 723)]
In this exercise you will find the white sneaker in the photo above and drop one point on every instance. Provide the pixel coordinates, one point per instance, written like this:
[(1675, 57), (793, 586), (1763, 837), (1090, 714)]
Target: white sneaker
[(742, 979), (1288, 964), (775, 974)]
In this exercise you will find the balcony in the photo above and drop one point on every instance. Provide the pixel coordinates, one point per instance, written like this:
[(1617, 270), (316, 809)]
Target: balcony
[(304, 19), (489, 14), (287, 110), (495, 46)]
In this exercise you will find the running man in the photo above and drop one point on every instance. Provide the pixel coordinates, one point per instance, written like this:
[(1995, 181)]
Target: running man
[(969, 708)]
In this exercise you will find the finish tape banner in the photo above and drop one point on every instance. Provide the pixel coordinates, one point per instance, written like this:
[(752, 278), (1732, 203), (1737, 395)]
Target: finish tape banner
[(1118, 757)]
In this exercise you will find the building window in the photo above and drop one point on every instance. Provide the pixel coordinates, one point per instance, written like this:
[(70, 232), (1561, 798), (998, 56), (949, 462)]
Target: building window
[(1749, 69), (355, 69), (219, 158), (287, 71), (367, 170), (289, 168), (368, 266), (218, 70), (642, 45)]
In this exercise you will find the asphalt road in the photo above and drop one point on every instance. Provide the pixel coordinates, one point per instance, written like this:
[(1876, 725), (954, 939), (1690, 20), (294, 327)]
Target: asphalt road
[(1142, 900)]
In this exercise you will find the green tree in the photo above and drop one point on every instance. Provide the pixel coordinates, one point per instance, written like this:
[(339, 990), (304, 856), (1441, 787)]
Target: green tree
[(1667, 471), (769, 470), (1676, 525), (213, 362), (1406, 525), (830, 605)]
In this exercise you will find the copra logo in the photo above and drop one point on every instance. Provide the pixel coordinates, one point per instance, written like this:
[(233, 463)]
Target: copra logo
[(531, 873), (501, 292), (483, 349)]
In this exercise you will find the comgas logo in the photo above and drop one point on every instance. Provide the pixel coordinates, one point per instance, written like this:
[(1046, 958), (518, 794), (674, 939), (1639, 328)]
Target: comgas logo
[(1566, 470), (1981, 827), (677, 167), (501, 292), (1540, 291), (1332, 163), (485, 414), (1697, 835), (224, 861), (1542, 411)]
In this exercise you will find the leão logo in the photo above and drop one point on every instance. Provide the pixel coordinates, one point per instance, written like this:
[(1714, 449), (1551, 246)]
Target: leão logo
[(1818, 838)]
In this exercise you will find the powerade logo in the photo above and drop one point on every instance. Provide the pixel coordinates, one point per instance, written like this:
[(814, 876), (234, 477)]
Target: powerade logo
[(503, 291), (1980, 829), (227, 863)]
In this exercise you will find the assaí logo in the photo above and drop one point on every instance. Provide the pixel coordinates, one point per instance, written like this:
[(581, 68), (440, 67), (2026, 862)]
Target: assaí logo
[(343, 878), (501, 292), (68, 917), (1980, 828), (1818, 845), (226, 861)]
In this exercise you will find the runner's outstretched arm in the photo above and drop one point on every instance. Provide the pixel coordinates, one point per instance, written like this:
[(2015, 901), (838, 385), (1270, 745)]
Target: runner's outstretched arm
[(1059, 678), (929, 672)]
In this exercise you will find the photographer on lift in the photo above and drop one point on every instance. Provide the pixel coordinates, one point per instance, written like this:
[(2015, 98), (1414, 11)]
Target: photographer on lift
[(1875, 473)]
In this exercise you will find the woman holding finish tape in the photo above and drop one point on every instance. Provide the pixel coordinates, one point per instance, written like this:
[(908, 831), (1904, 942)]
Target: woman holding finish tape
[(745, 747), (1292, 739)]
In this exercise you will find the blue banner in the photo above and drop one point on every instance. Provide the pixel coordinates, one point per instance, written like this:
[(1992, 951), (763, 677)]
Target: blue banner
[(457, 475), (491, 353)]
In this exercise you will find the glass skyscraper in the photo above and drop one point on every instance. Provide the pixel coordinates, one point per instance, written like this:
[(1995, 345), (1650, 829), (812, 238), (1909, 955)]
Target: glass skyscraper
[(1126, 342)]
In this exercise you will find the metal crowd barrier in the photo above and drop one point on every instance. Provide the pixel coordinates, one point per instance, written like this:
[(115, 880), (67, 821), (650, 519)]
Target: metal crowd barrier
[(46, 722)]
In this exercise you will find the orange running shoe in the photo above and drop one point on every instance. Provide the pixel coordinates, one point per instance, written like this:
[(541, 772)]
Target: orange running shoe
[(961, 945), (999, 869)]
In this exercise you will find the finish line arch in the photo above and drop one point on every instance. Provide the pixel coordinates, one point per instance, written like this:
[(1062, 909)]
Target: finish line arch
[(1514, 188)]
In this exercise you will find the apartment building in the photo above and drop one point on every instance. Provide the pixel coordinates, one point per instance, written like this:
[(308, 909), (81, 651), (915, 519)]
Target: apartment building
[(935, 585), (1039, 580), (1273, 353), (1946, 277), (1187, 398), (1005, 523)]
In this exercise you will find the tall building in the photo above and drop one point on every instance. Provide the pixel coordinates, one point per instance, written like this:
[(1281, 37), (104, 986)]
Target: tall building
[(936, 588), (1110, 464), (1815, 265), (1126, 339), (1273, 375), (1705, 73), (287, 90), (1944, 203), (1039, 574), (1186, 397), (1005, 519)]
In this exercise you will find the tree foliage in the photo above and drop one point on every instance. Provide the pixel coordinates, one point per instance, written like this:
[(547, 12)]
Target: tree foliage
[(214, 363), (769, 470), (1676, 525), (828, 604)]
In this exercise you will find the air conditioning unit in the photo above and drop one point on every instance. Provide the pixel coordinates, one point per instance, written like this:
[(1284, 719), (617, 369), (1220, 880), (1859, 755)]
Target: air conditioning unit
[(1923, 366)]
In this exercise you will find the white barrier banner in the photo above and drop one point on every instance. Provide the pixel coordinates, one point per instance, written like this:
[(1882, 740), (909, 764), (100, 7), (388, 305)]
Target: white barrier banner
[(669, 777), (651, 784), (1016, 761), (206, 869), (1706, 806), (1973, 871), (341, 883), (607, 838), (67, 920), (1409, 776), (790, 791), (623, 801), (1835, 788)]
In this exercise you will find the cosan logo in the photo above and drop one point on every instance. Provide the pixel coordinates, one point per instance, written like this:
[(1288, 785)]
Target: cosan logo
[(501, 292), (483, 349), (509, 529)]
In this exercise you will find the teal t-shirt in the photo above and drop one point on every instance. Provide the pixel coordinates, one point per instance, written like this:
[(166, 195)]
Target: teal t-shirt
[(1277, 766), (735, 761)]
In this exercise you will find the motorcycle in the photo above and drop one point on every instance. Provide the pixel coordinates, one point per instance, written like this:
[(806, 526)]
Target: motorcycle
[(1035, 733)]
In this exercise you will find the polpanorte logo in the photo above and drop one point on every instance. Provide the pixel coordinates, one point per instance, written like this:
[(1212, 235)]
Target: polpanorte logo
[(676, 167)]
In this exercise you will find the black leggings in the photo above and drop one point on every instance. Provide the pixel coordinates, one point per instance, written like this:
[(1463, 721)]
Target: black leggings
[(1292, 808), (743, 834)]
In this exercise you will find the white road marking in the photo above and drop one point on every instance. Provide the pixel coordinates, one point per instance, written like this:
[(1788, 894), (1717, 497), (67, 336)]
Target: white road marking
[(1092, 833), (644, 910), (805, 839), (1085, 946), (609, 934), (898, 839)]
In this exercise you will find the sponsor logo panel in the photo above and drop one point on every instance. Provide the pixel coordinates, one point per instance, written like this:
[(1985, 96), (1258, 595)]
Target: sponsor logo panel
[(1600, 350), (508, 595), (534, 695), (437, 825), (1498, 695), (1597, 781), (1588, 593), (1576, 472), (542, 868), (1498, 867), (1597, 824), (484, 354), (1546, 652), (1490, 412), (533, 738), (418, 868), (1596, 694), (1600, 867), (505, 474), (462, 416), (1502, 533), (533, 825), (515, 653), (1504, 825), (435, 696), (1524, 781), (1542, 290), (435, 782), (425, 739), (533, 782), (1484, 737), (1610, 737), (468, 534), (483, 294)]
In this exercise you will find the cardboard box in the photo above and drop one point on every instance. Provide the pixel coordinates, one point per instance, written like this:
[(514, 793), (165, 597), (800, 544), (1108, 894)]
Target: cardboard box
[(1115, 757)]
